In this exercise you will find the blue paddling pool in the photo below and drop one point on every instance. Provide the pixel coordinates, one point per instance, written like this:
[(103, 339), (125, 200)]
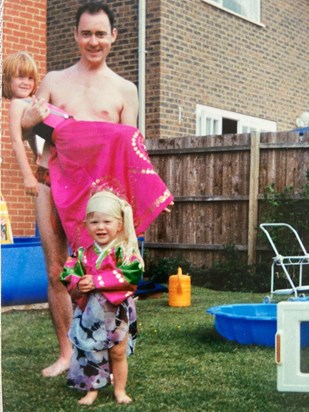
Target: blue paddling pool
[(247, 324), (251, 324)]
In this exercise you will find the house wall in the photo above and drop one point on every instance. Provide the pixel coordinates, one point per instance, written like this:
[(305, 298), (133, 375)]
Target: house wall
[(214, 58), (23, 28), (199, 54)]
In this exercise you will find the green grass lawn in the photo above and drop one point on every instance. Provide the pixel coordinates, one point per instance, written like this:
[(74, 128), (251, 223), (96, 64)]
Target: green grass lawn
[(180, 364)]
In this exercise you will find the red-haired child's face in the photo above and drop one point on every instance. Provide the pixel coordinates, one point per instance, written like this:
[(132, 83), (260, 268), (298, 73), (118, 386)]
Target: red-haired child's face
[(22, 86)]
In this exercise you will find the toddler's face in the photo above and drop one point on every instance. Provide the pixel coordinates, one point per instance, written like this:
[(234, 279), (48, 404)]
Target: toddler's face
[(103, 228)]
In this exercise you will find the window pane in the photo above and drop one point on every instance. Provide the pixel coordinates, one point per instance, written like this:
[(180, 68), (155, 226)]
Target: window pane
[(216, 127), (304, 350), (233, 5), (246, 8), (208, 126), (229, 126)]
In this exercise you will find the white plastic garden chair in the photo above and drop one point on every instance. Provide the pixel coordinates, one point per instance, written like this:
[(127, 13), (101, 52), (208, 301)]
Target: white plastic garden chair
[(287, 263)]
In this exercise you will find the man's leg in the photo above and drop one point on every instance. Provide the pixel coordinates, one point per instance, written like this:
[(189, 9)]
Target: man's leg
[(55, 250)]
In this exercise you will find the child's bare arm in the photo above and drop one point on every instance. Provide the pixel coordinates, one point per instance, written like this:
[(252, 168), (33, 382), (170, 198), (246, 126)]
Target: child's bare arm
[(17, 108)]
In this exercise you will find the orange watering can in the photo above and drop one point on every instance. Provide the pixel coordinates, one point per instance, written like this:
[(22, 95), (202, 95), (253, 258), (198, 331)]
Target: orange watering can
[(179, 289)]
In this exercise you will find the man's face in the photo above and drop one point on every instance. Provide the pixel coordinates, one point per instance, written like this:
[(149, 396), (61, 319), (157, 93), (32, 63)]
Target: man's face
[(94, 37)]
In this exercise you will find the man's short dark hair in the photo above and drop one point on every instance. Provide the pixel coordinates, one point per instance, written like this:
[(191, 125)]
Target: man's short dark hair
[(94, 7)]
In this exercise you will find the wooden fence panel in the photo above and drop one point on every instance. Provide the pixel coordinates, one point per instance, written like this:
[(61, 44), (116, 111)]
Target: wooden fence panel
[(210, 179)]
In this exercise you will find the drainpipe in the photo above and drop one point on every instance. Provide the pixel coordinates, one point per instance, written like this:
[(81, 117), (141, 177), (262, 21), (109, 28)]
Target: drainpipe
[(141, 64)]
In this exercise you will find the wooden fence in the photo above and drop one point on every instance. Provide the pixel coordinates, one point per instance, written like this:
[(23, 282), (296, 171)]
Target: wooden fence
[(218, 183)]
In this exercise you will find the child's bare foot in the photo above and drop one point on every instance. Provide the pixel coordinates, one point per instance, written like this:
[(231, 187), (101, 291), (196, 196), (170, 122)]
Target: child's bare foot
[(89, 398), (123, 398), (57, 368)]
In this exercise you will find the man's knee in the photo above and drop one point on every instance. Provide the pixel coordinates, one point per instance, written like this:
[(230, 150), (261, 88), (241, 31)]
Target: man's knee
[(54, 272)]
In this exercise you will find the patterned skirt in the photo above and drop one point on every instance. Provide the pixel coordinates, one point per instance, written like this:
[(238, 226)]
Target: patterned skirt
[(93, 332)]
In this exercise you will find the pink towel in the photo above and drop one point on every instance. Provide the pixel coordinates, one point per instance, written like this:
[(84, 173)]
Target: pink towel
[(90, 156)]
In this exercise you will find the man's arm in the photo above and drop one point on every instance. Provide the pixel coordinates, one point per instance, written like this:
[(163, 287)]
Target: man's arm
[(44, 90), (129, 112)]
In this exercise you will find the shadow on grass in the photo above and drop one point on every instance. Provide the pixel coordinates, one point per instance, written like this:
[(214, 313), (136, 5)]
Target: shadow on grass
[(207, 338)]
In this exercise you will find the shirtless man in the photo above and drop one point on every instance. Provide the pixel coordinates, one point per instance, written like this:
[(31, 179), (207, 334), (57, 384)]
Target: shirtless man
[(88, 90)]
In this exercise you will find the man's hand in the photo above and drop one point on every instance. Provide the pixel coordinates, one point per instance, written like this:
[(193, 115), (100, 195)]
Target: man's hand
[(168, 209), (35, 113)]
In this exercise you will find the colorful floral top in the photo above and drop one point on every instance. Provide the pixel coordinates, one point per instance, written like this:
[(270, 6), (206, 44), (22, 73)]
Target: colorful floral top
[(112, 277)]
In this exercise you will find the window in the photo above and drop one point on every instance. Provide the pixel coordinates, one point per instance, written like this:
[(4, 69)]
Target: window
[(249, 9), (210, 120)]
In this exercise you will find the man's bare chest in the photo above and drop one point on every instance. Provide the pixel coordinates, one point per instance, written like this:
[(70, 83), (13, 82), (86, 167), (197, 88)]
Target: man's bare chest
[(90, 104)]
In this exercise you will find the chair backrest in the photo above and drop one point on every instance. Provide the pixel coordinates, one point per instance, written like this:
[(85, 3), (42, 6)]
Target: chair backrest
[(279, 234)]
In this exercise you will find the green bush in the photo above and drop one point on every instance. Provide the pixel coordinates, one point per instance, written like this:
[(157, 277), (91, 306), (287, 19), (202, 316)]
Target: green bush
[(285, 207), (160, 270), (230, 273)]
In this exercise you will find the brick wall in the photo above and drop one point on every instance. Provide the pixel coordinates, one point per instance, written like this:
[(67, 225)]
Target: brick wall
[(61, 49), (24, 28), (213, 58)]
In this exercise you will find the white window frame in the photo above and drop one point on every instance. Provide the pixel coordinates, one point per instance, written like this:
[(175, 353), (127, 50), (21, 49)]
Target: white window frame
[(209, 121), (251, 9)]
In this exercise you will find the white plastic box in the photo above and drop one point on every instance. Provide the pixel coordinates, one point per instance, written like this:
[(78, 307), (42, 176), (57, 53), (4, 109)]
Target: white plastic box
[(292, 346)]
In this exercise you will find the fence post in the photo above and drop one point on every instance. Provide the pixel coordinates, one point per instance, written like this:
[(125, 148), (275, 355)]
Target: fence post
[(253, 196)]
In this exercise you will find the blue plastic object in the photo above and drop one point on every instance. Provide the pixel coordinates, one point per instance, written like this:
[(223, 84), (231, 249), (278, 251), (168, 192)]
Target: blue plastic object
[(24, 279), (252, 324), (247, 324)]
